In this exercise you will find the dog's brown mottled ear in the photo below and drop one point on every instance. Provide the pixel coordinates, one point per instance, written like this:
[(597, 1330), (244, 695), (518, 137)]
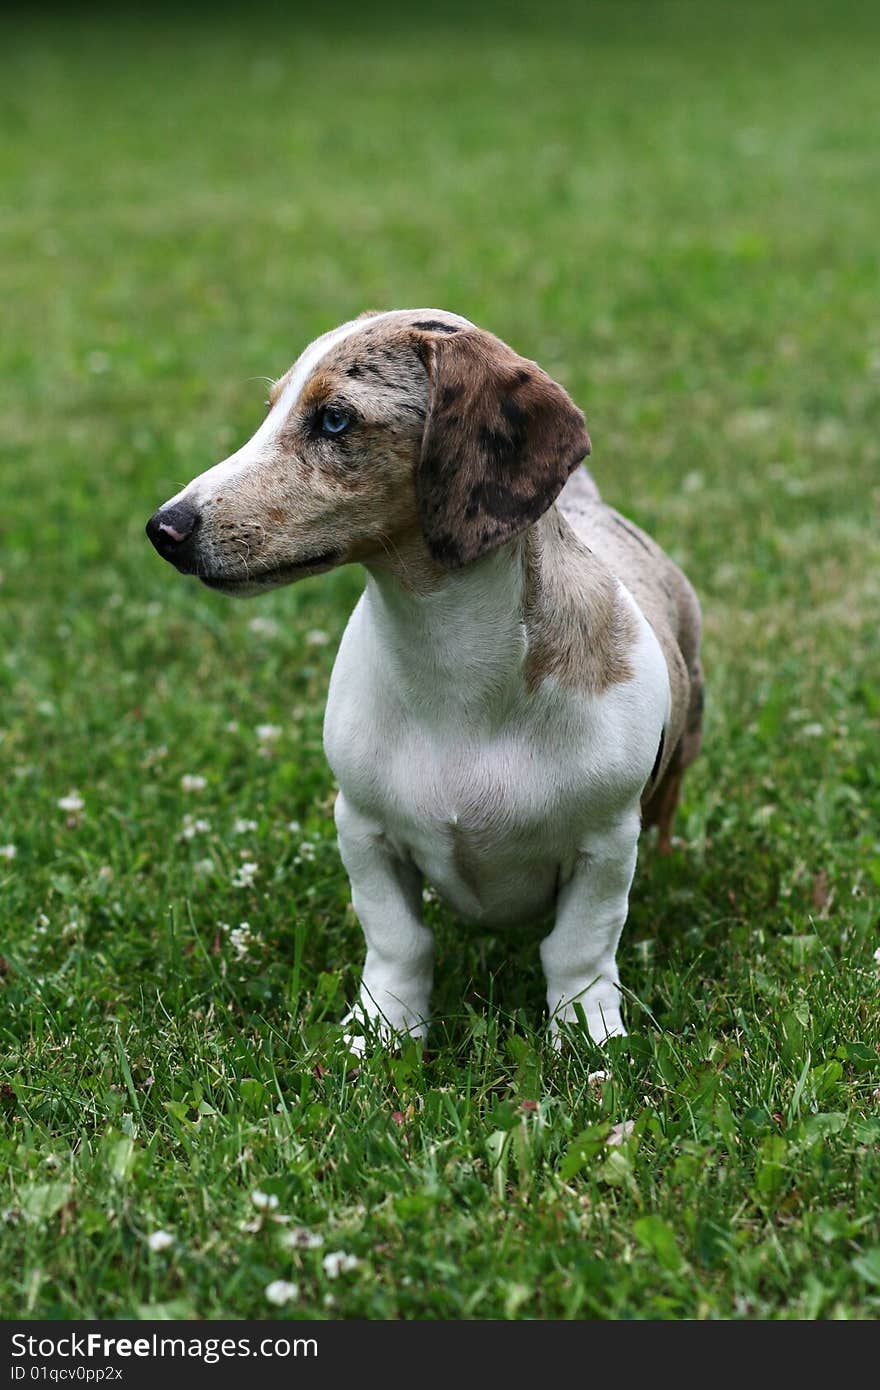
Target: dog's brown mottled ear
[(501, 438)]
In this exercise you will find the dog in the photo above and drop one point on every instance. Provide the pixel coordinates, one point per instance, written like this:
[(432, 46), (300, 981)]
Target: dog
[(518, 690)]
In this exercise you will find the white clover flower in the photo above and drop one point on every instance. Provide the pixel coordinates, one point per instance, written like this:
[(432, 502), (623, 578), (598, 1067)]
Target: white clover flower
[(264, 627), (193, 782), (160, 1240), (317, 637), (307, 851), (301, 1239), (245, 874), (203, 867), (294, 827), (8, 852), (595, 1078), (267, 733), (339, 1262), (281, 1291), (241, 939), (877, 955), (72, 802), (193, 826), (243, 827), (231, 727), (264, 1201)]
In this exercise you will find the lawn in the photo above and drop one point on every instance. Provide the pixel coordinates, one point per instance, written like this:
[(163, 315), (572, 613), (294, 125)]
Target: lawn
[(674, 208)]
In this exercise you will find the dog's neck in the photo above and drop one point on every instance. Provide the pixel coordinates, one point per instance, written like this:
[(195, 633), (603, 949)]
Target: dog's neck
[(454, 650), (473, 643)]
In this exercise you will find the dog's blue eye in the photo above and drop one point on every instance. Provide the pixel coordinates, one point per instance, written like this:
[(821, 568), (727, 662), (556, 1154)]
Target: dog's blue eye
[(334, 420)]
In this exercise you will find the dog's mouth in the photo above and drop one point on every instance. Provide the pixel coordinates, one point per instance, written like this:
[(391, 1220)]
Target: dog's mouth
[(257, 580)]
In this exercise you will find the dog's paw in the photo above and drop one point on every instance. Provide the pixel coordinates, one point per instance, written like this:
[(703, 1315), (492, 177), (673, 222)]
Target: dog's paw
[(569, 1022), (364, 1033)]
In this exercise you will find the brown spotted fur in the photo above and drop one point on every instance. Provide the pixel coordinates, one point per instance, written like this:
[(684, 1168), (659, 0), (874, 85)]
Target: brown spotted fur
[(579, 628), (670, 606), (500, 440)]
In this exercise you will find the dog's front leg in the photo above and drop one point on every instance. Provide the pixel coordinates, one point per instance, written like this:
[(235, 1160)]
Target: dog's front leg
[(395, 992), (579, 954)]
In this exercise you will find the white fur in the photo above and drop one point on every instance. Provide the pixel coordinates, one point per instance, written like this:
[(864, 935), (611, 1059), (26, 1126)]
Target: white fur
[(510, 804)]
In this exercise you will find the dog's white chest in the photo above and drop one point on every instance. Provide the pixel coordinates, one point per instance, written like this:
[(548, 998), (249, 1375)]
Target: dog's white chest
[(492, 799), (494, 819), (474, 818)]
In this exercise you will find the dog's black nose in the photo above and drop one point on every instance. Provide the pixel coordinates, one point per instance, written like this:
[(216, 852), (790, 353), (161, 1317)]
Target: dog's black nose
[(171, 529)]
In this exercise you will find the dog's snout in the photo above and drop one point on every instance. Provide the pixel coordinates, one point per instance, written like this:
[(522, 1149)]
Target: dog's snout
[(171, 529)]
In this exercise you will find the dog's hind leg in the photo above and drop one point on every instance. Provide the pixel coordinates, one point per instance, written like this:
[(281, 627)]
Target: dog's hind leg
[(661, 805), (660, 810)]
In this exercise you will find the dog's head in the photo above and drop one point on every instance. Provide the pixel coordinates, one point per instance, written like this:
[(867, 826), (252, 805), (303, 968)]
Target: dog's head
[(400, 428)]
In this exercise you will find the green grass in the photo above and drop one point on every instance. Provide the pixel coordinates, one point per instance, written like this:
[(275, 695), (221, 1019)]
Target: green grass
[(674, 208)]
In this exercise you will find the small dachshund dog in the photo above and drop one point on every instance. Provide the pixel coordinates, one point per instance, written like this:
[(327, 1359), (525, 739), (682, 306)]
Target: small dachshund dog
[(518, 690)]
